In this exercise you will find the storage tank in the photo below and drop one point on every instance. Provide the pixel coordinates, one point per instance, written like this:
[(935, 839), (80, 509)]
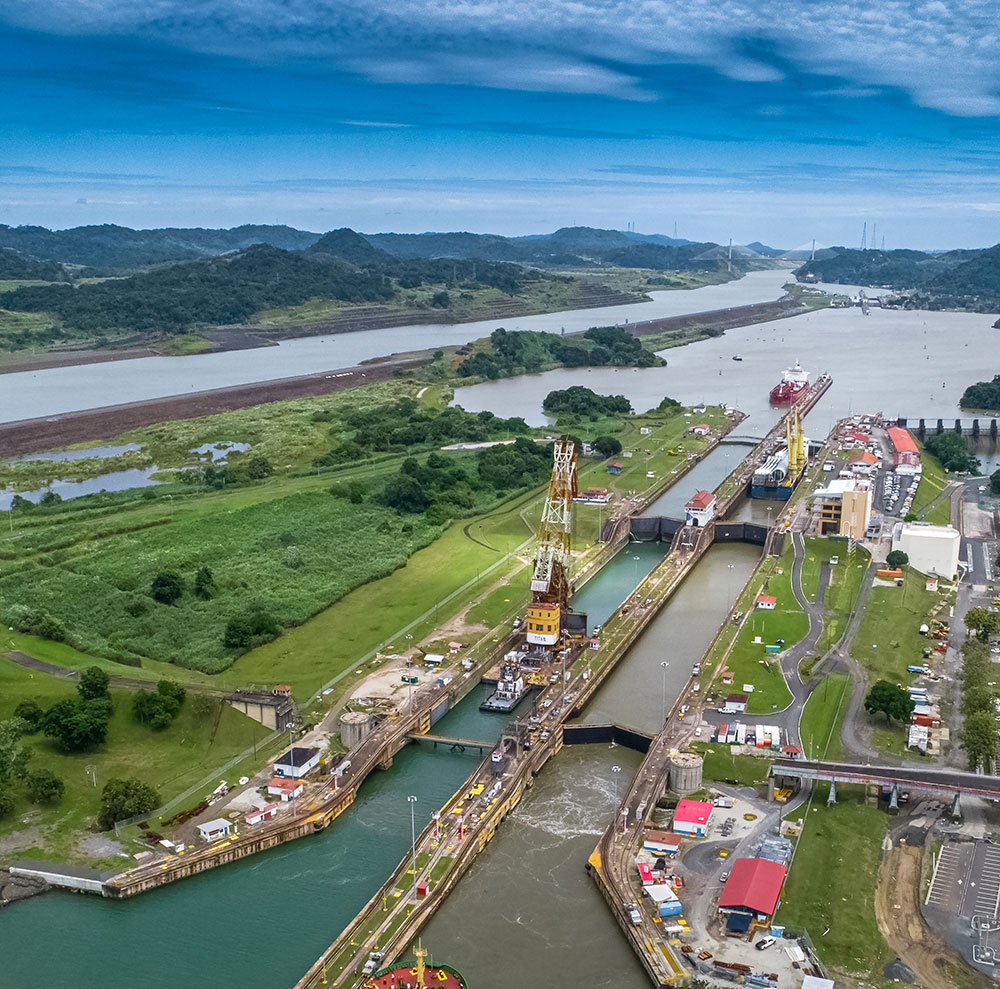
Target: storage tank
[(354, 727), (685, 772)]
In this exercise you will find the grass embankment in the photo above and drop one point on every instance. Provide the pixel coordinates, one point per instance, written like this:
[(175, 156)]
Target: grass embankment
[(747, 659), (889, 640), (830, 890), (933, 481), (170, 760), (822, 717)]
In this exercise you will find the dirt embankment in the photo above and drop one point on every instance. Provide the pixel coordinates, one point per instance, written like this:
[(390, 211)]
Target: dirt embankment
[(897, 909), (717, 320), (30, 435)]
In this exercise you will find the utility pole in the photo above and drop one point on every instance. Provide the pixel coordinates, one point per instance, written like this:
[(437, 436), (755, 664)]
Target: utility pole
[(411, 800)]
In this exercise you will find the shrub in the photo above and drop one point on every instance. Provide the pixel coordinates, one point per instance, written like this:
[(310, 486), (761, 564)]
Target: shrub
[(31, 714), (166, 588), (6, 803), (897, 558), (122, 799), (44, 787), (93, 684)]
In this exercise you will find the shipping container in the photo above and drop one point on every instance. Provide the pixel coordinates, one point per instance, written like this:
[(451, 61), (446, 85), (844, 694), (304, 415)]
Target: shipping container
[(670, 908)]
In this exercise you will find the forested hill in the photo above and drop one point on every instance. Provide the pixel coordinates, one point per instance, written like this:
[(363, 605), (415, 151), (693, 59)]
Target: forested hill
[(112, 247), (230, 289), (964, 279), (569, 246), (17, 266)]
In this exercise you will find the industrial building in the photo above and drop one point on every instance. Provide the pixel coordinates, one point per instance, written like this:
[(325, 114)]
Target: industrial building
[(219, 828), (692, 817), (932, 549), (906, 455), (751, 892), (843, 507)]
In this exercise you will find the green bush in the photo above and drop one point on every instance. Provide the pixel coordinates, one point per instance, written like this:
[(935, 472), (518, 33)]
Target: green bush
[(44, 787)]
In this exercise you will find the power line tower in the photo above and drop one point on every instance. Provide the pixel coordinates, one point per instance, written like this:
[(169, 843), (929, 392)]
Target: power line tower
[(550, 584)]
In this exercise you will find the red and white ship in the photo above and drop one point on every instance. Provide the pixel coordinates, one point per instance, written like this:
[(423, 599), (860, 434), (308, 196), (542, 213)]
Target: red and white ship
[(793, 383)]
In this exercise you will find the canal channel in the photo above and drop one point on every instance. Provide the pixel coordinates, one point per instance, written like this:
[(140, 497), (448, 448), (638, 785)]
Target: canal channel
[(264, 920)]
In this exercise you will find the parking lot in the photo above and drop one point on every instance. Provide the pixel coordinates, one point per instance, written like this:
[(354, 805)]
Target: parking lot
[(967, 880)]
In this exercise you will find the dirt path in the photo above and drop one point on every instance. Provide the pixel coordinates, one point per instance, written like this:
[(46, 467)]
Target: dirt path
[(897, 909)]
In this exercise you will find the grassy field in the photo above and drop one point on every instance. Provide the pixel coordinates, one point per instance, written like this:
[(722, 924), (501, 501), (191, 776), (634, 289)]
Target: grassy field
[(846, 577), (170, 760), (722, 766), (822, 716), (830, 890), (933, 481), (747, 659)]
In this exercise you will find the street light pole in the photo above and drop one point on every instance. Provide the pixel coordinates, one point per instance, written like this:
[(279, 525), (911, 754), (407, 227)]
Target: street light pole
[(413, 844), (664, 666), (616, 770)]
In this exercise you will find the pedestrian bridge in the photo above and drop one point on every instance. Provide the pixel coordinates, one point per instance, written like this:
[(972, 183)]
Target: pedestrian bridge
[(926, 778)]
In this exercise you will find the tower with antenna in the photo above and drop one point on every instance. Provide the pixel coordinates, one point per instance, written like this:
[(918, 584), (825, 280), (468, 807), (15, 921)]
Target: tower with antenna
[(864, 236)]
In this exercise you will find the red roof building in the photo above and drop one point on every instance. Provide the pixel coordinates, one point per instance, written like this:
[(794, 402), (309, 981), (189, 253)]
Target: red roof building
[(901, 440), (701, 500), (864, 457), (692, 816), (766, 601), (753, 885)]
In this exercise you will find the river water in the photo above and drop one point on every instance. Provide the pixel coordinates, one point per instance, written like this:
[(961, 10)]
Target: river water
[(29, 394)]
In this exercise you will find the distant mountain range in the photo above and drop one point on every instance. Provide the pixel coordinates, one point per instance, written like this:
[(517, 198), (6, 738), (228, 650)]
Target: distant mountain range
[(111, 249)]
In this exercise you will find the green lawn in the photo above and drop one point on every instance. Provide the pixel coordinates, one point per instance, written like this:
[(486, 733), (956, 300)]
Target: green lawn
[(171, 760), (832, 882), (846, 578), (822, 716), (747, 660), (721, 765)]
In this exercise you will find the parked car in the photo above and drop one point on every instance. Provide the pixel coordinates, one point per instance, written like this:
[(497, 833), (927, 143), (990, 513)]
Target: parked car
[(723, 877), (765, 942)]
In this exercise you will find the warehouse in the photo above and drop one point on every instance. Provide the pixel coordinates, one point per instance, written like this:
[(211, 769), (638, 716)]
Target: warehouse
[(751, 891), (932, 549)]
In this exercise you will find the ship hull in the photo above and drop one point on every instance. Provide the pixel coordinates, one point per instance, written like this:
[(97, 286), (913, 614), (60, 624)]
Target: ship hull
[(771, 492), (786, 394)]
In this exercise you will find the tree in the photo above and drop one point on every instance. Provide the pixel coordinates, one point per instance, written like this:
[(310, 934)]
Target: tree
[(953, 452), (668, 404), (149, 709), (979, 740), (405, 494), (607, 446), (897, 558), (995, 482), (171, 691), (166, 588), (93, 684), (983, 622), (6, 803), (202, 707), (77, 726), (49, 499), (31, 714), (122, 799), (258, 468), (203, 584), (253, 627), (11, 756), (44, 787), (892, 701)]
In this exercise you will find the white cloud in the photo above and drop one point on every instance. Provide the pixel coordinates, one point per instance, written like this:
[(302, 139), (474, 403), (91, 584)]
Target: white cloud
[(942, 54)]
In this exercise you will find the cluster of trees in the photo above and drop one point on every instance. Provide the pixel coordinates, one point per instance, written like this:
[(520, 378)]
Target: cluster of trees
[(982, 395), (32, 621), (123, 799), (979, 727), (15, 266), (168, 587), (953, 452), (158, 709), (982, 622), (889, 699), (254, 469), (48, 500), (42, 786), (443, 488), (77, 724), (522, 350), (402, 425), (583, 403)]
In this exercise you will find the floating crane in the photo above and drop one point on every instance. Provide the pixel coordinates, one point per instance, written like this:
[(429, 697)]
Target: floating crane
[(550, 584)]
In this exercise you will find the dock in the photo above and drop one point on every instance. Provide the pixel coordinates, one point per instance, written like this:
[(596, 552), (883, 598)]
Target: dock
[(469, 819)]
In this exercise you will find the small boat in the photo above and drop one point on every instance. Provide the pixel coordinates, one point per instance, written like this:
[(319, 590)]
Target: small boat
[(736, 357)]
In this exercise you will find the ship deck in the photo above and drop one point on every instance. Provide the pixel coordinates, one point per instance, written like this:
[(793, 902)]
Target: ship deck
[(405, 975)]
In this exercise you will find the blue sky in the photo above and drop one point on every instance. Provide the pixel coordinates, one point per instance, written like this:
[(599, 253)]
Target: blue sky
[(778, 120)]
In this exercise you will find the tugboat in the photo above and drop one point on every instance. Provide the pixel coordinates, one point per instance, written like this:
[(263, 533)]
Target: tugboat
[(736, 357), (793, 382), (510, 688), (418, 976)]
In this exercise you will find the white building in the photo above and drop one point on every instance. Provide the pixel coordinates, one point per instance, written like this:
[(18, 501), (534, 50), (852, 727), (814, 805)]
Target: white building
[(296, 762), (219, 828), (700, 510), (932, 549)]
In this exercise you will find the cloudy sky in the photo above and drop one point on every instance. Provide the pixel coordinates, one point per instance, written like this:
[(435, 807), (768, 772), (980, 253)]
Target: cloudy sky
[(778, 120)]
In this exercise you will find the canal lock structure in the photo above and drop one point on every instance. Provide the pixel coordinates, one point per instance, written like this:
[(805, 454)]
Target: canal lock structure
[(527, 900)]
